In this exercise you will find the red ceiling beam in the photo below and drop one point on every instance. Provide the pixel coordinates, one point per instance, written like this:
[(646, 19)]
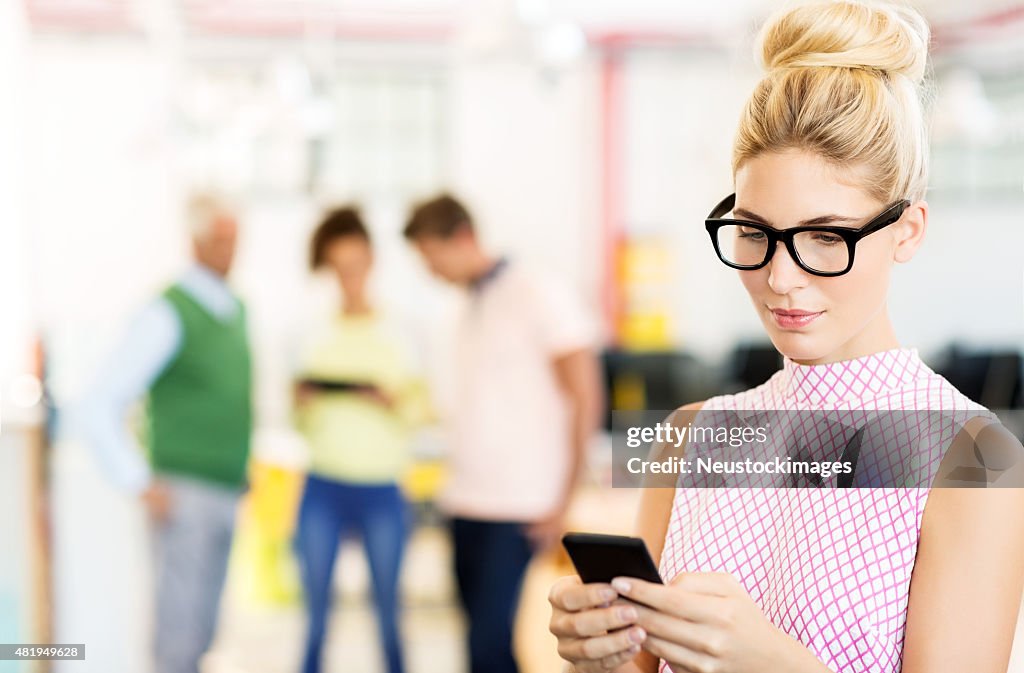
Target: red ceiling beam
[(98, 16)]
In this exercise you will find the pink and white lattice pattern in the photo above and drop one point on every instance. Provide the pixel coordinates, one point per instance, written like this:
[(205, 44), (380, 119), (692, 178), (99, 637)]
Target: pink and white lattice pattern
[(831, 567)]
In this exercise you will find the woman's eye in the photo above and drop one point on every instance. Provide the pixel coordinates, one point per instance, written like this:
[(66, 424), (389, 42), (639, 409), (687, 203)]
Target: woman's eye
[(751, 234), (827, 239)]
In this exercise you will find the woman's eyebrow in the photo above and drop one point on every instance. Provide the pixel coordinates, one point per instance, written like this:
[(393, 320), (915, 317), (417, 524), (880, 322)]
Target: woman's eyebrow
[(821, 219), (743, 212)]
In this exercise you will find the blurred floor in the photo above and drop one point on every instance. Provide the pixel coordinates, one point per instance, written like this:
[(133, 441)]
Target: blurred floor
[(272, 642), (269, 640)]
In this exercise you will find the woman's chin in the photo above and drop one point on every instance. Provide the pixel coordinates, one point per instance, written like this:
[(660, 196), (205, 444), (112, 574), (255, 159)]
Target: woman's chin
[(798, 347)]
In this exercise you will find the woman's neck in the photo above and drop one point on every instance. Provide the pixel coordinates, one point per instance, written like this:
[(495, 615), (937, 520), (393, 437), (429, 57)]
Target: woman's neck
[(356, 306)]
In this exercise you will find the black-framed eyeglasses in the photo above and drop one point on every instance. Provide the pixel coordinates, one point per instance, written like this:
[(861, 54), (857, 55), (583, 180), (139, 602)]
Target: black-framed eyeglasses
[(820, 250)]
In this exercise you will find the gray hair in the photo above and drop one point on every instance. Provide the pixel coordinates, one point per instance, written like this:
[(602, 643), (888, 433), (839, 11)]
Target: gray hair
[(201, 209)]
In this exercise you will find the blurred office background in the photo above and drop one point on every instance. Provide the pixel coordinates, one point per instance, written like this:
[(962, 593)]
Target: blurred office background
[(588, 137)]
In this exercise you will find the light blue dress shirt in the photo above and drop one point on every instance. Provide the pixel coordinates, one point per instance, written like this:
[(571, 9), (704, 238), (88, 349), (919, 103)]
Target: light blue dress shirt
[(150, 344)]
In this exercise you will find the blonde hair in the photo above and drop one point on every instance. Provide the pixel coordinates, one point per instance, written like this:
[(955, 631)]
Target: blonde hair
[(845, 80)]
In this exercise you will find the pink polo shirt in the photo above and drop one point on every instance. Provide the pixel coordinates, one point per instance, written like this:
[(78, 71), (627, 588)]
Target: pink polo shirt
[(510, 429)]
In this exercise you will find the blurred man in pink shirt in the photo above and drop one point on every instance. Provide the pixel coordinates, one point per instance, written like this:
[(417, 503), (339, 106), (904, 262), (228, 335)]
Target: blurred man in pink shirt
[(527, 401)]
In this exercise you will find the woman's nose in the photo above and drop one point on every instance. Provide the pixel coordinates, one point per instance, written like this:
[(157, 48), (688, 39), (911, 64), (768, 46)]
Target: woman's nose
[(784, 274)]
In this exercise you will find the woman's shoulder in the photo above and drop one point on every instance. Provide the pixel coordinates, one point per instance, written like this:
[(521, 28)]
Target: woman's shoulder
[(686, 411)]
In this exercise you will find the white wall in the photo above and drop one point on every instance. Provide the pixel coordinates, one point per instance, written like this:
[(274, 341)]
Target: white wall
[(967, 280), (102, 202), (102, 213), (680, 121), (15, 292), (18, 611), (525, 154)]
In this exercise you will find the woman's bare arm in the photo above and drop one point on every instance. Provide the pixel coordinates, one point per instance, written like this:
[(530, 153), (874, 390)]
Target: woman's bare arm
[(965, 591)]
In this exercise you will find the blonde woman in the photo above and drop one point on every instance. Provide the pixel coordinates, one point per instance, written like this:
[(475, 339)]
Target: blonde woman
[(830, 160)]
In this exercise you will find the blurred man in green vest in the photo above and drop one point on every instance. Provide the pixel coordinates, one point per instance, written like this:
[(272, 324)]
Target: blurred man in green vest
[(188, 352)]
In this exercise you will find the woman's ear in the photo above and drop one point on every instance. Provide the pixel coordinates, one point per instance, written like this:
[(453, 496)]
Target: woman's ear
[(910, 231)]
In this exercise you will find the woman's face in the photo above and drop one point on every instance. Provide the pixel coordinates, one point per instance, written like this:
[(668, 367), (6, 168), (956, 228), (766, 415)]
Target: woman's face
[(844, 316), (351, 258)]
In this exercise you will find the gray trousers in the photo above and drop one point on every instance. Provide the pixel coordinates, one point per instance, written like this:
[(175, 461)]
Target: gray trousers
[(191, 553)]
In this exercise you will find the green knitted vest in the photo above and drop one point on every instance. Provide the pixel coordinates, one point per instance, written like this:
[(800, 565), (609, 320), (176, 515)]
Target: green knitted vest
[(200, 408)]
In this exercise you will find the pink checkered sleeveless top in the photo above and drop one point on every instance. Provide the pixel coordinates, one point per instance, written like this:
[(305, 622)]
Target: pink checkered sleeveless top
[(831, 567)]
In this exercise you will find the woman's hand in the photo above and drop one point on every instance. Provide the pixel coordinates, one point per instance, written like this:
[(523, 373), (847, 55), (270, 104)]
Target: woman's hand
[(593, 634), (708, 623), (303, 394), (375, 395)]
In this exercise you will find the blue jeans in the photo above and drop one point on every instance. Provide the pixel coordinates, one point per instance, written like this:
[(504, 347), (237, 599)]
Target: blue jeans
[(490, 561), (330, 511)]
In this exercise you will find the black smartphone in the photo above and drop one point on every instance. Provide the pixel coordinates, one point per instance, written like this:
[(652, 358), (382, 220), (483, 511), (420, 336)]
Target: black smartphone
[(601, 558), (333, 386)]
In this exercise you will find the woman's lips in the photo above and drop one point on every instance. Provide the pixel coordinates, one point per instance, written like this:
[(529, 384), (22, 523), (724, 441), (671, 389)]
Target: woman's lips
[(794, 318)]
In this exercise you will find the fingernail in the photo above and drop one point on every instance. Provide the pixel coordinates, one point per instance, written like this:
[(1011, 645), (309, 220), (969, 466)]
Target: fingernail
[(634, 649), (622, 585), (627, 614), (637, 636), (608, 594)]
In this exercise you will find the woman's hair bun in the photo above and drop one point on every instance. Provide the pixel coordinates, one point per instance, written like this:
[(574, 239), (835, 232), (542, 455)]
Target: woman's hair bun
[(886, 38)]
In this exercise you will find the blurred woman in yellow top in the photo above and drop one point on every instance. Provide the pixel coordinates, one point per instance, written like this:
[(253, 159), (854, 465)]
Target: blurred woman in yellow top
[(356, 401)]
